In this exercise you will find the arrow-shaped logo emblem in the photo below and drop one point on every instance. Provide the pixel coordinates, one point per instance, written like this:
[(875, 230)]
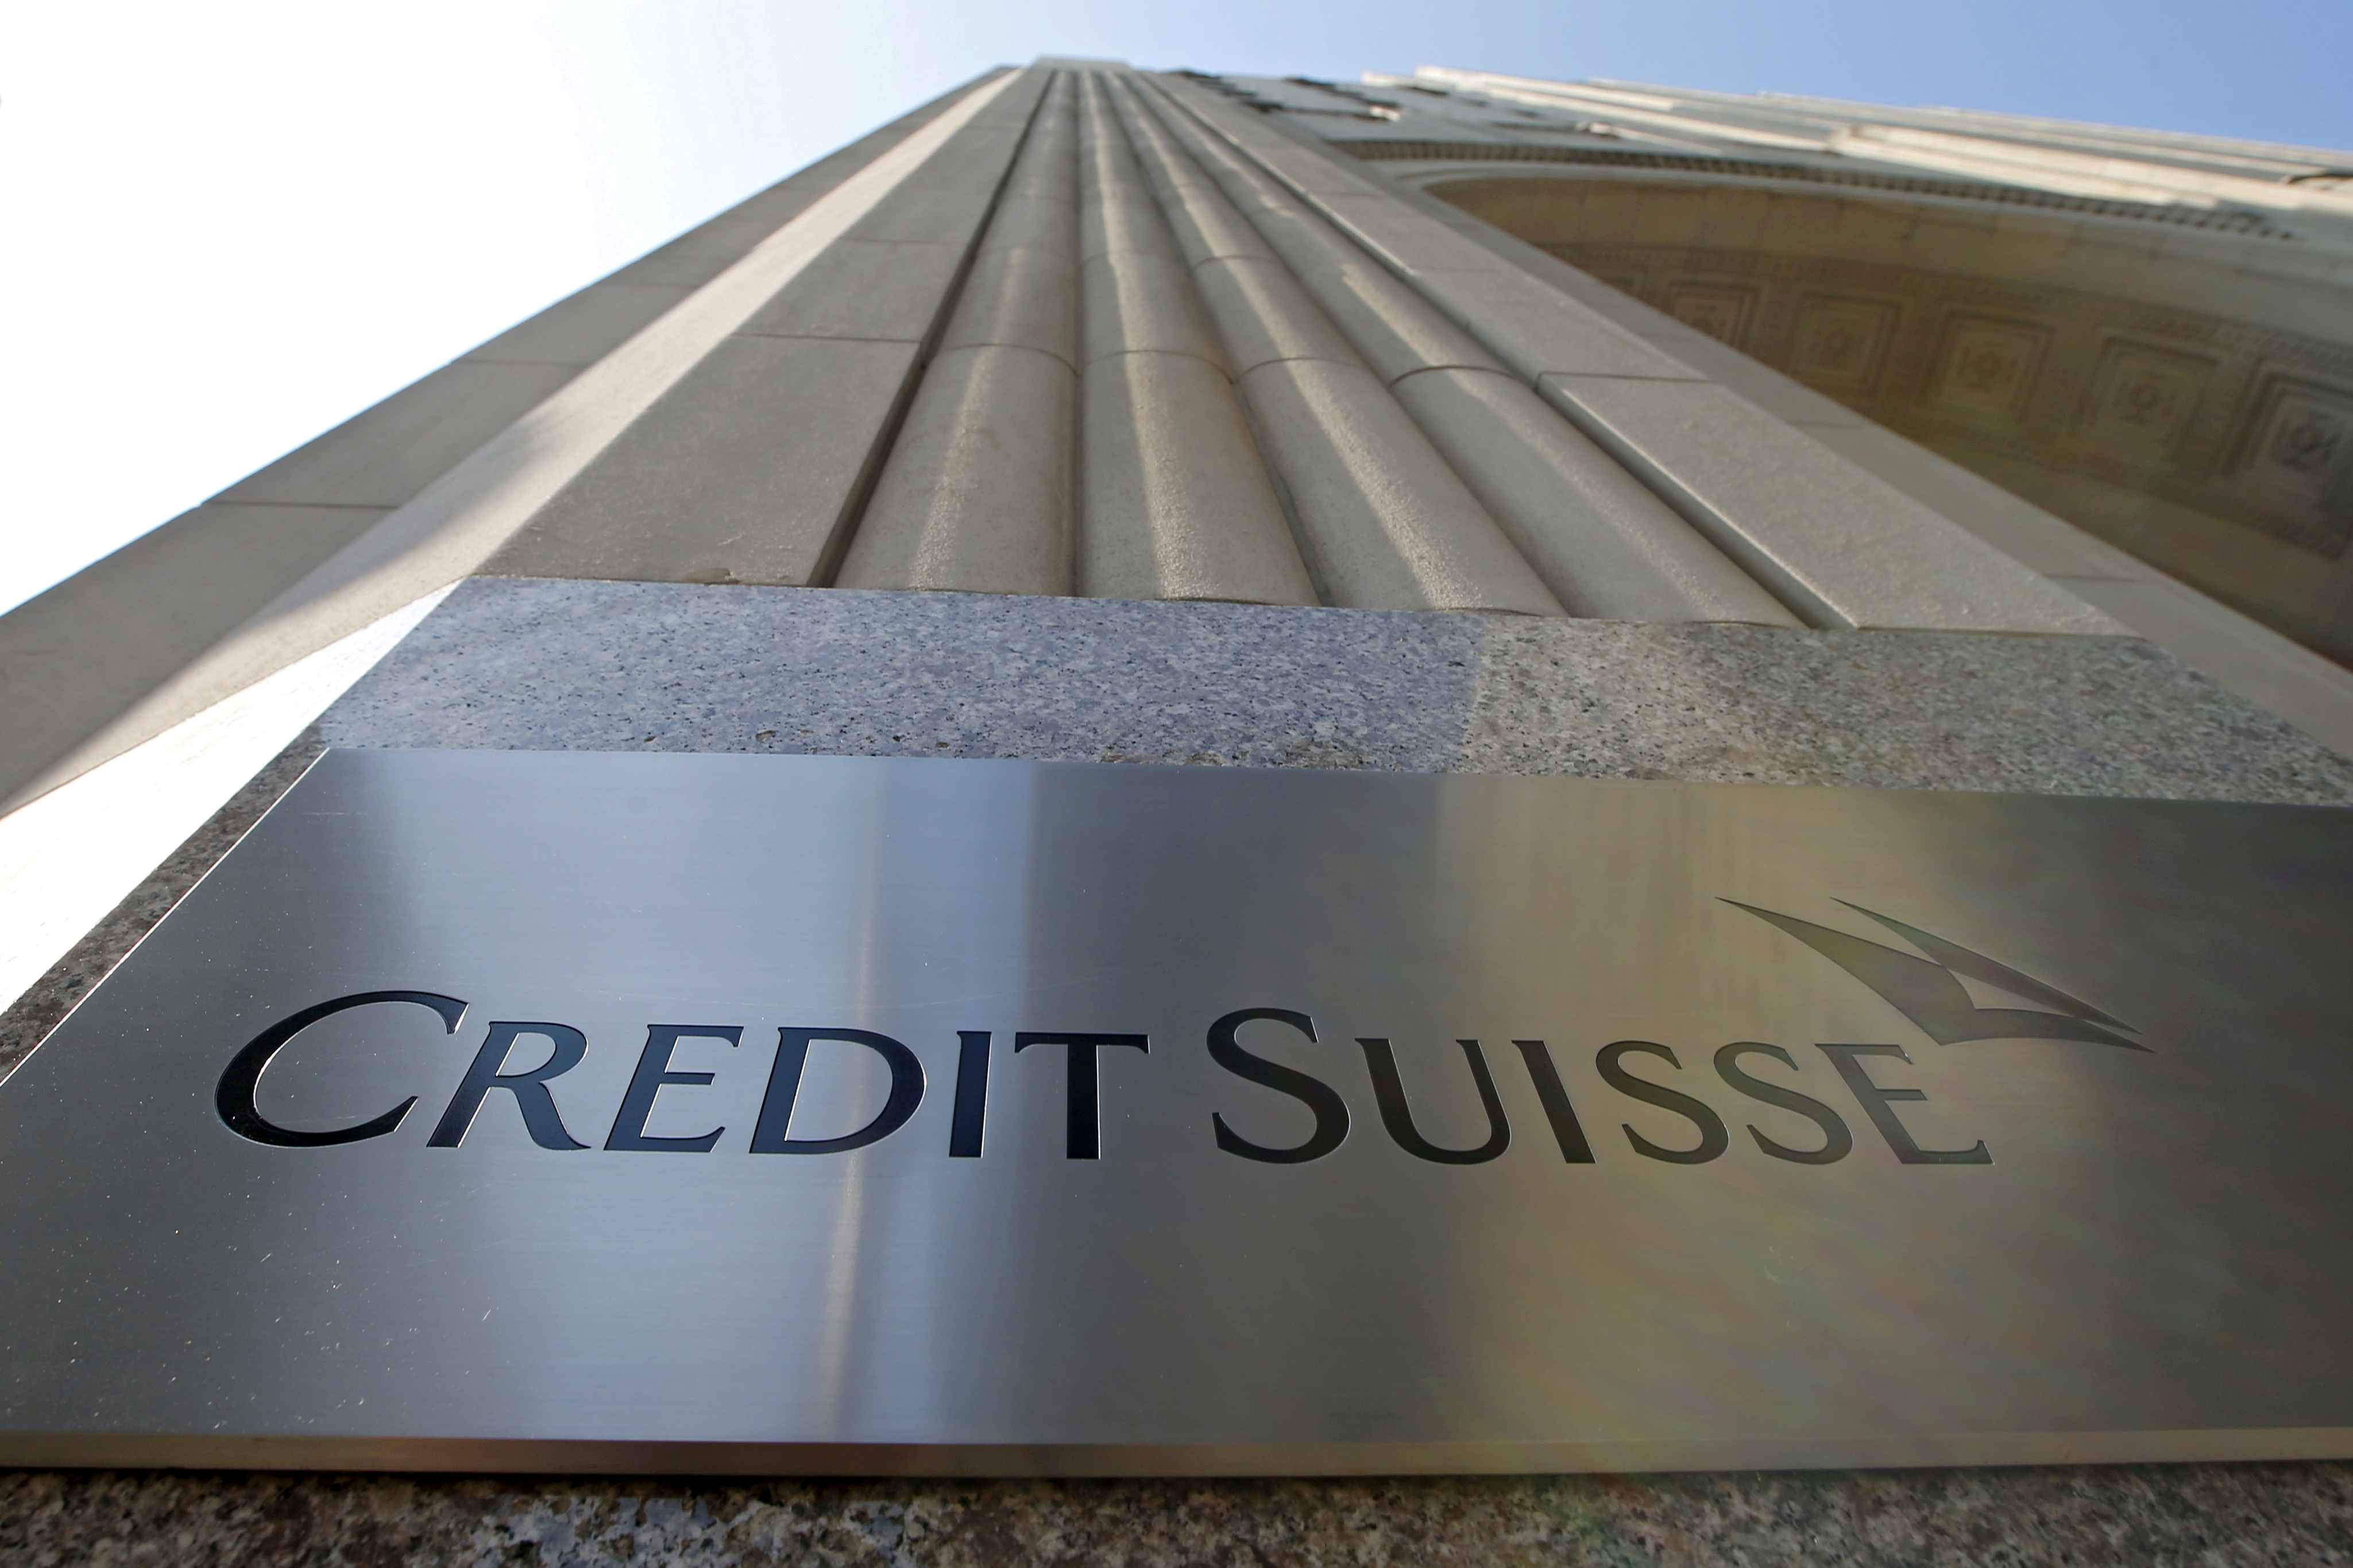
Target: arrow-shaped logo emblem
[(1925, 990)]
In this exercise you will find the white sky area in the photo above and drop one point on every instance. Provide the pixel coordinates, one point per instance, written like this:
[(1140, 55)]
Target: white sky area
[(232, 225)]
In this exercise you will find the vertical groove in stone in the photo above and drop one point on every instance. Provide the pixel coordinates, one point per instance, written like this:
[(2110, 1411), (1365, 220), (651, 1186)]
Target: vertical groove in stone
[(754, 461), (1601, 540), (975, 496), (1389, 524), (1173, 500), (1831, 539), (1610, 548)]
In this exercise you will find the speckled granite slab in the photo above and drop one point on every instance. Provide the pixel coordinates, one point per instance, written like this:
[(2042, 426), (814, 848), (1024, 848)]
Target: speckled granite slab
[(539, 664), (2199, 1516), (548, 664)]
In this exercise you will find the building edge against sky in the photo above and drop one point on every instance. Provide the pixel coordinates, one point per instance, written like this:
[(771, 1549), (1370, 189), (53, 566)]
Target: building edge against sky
[(1453, 342)]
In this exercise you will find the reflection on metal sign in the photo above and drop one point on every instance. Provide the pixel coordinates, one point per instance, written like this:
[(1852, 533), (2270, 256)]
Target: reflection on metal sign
[(711, 1113)]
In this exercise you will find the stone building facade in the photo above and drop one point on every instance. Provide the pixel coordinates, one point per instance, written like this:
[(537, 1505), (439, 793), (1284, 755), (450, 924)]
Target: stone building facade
[(1456, 423), (2151, 335)]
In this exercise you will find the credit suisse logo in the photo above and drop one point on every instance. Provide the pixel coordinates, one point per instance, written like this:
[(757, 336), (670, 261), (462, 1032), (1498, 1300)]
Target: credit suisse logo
[(1924, 985)]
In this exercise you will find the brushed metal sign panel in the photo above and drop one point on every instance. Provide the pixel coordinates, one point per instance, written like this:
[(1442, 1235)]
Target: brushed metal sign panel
[(710, 1113)]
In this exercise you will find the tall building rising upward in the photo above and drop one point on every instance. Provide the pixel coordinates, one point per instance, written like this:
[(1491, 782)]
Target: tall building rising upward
[(1456, 421), (1082, 330)]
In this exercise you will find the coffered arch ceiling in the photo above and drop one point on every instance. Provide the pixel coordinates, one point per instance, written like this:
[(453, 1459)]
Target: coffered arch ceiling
[(2178, 381)]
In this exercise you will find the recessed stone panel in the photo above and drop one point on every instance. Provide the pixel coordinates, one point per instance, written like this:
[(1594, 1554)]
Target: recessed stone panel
[(1841, 343), (2295, 456), (2141, 399), (1988, 366), (1721, 310)]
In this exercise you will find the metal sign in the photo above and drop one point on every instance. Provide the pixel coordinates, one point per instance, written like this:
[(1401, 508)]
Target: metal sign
[(715, 1113)]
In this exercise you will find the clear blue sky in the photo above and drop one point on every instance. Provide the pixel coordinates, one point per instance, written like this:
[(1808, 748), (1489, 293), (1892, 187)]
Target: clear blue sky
[(233, 224)]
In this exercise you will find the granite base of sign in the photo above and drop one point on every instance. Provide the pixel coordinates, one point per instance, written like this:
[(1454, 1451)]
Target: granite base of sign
[(2249, 1515)]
